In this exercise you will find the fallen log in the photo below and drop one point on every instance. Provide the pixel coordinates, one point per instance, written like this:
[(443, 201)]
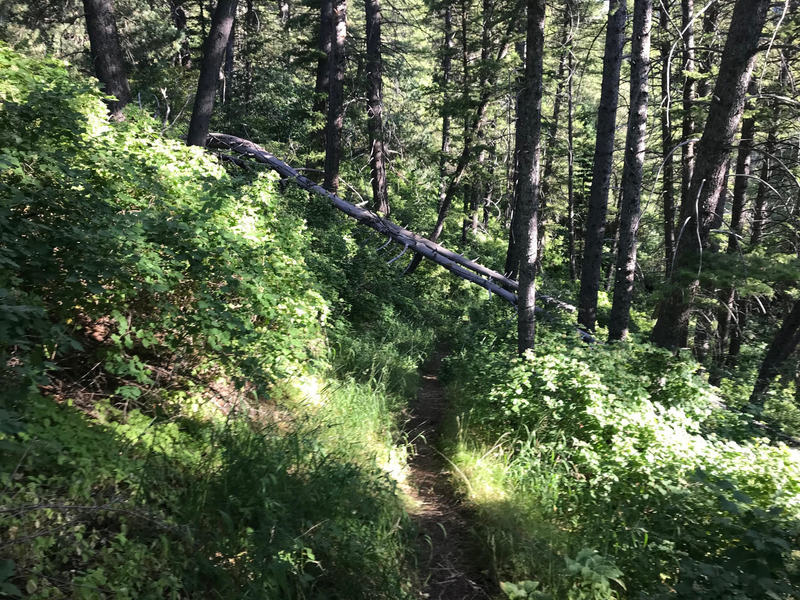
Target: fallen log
[(451, 261), (494, 282)]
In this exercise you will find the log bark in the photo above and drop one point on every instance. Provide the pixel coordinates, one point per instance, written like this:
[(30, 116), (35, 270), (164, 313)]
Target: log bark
[(213, 54), (107, 53), (632, 172), (725, 112), (603, 158)]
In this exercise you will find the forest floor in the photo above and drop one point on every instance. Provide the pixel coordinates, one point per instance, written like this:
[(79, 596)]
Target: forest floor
[(450, 562)]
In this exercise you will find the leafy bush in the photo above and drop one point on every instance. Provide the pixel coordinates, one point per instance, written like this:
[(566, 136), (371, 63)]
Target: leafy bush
[(121, 230), (154, 309), (617, 448)]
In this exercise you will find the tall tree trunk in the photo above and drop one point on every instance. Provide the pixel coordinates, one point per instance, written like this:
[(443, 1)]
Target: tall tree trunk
[(447, 66), (571, 171), (667, 144), (728, 296), (609, 275), (632, 171), (322, 82), (529, 121), (782, 346), (687, 128), (468, 189), (757, 226), (213, 53), (180, 20), (228, 70), (552, 130), (107, 53), (743, 162), (284, 12), (512, 251), (380, 197), (333, 128), (699, 213), (603, 159)]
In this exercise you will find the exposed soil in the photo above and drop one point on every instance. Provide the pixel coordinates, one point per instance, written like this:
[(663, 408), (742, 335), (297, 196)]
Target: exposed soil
[(449, 557)]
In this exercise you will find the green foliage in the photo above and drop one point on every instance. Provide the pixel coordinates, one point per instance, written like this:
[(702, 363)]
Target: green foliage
[(153, 510), (593, 574), (166, 310), (522, 590), (151, 239), (621, 448)]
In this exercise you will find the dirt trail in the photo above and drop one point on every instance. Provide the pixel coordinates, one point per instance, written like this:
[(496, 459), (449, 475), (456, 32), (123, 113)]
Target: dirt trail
[(449, 559)]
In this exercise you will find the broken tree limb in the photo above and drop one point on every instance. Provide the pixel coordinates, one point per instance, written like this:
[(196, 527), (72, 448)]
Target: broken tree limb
[(460, 266), (433, 252), (242, 146)]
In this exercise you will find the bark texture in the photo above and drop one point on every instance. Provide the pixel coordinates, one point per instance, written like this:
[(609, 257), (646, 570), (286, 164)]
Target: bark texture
[(601, 171), (321, 85), (687, 126), (632, 171), (667, 145), (107, 53), (380, 197), (335, 122), (213, 53), (708, 180), (529, 122)]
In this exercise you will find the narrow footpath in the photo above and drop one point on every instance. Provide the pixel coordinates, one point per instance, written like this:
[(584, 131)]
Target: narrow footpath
[(449, 559)]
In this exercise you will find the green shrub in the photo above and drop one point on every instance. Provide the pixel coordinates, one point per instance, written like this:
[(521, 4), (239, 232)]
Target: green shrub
[(153, 308), (618, 448)]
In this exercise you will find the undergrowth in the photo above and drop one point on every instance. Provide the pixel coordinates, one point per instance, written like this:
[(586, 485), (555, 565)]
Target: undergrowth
[(191, 407), (615, 471)]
